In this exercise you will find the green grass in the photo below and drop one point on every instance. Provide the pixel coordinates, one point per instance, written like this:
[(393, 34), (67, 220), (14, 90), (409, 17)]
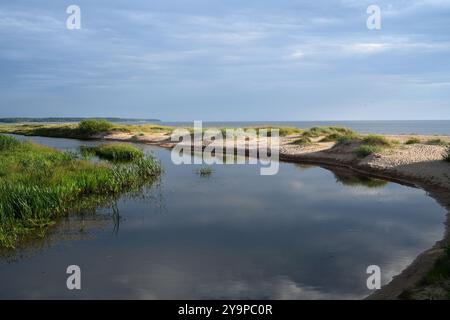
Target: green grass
[(366, 150), (413, 141), (282, 131), (86, 129), (341, 138), (115, 151), (302, 141), (38, 184), (94, 126), (373, 144), (316, 132), (437, 142), (376, 140), (204, 171)]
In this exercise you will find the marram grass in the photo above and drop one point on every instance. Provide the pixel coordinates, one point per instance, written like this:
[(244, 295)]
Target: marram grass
[(38, 184)]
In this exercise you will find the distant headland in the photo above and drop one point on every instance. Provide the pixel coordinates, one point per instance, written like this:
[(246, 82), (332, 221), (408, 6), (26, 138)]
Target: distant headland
[(69, 119)]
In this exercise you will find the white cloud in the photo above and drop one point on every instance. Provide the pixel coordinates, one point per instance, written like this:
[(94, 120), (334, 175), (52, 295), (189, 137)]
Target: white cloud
[(366, 48), (298, 54)]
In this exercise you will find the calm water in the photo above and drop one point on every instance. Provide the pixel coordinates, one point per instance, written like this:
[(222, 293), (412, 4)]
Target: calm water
[(306, 233), (441, 127)]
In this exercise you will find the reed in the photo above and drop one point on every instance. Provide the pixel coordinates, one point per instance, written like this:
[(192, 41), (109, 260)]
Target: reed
[(39, 184)]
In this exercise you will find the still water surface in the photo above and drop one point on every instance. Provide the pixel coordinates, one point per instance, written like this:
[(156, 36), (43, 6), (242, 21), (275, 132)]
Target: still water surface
[(305, 233)]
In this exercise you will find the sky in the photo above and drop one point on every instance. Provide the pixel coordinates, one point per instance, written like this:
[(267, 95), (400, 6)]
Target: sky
[(229, 60)]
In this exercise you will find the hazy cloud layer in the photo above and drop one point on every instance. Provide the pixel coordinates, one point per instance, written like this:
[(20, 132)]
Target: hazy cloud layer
[(226, 60)]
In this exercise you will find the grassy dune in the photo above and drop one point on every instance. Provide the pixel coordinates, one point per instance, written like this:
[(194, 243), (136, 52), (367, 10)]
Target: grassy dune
[(39, 184), (86, 129)]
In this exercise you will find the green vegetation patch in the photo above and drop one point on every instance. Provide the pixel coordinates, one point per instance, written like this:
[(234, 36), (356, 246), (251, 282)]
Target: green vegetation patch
[(366, 150), (437, 142), (94, 126), (413, 141), (39, 184), (376, 140), (282, 131), (330, 133), (302, 141), (373, 144), (115, 151), (204, 171)]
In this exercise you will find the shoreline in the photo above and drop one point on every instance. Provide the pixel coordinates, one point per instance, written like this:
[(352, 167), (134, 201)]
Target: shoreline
[(417, 165)]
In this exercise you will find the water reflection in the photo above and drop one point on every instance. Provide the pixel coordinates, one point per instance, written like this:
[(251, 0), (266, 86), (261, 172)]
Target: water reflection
[(305, 233), (351, 179)]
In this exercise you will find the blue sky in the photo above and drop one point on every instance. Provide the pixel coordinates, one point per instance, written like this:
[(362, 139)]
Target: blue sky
[(180, 60)]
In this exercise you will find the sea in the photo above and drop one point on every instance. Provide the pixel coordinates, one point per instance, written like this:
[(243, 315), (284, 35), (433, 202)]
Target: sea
[(422, 127)]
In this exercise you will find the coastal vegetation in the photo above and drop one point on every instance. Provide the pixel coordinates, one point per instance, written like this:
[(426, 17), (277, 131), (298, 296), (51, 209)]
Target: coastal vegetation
[(114, 151), (40, 184), (372, 144), (413, 141), (302, 141), (367, 150), (92, 126), (204, 171), (86, 129), (330, 132), (436, 142), (69, 119)]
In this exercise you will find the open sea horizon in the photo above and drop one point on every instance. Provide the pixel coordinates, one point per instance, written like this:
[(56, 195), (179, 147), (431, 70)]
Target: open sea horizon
[(423, 127)]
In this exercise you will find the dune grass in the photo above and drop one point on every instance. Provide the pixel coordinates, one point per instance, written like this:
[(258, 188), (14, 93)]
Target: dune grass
[(437, 142), (413, 141), (377, 140), (302, 141), (366, 150), (373, 144), (282, 131), (39, 184), (115, 152), (316, 132)]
